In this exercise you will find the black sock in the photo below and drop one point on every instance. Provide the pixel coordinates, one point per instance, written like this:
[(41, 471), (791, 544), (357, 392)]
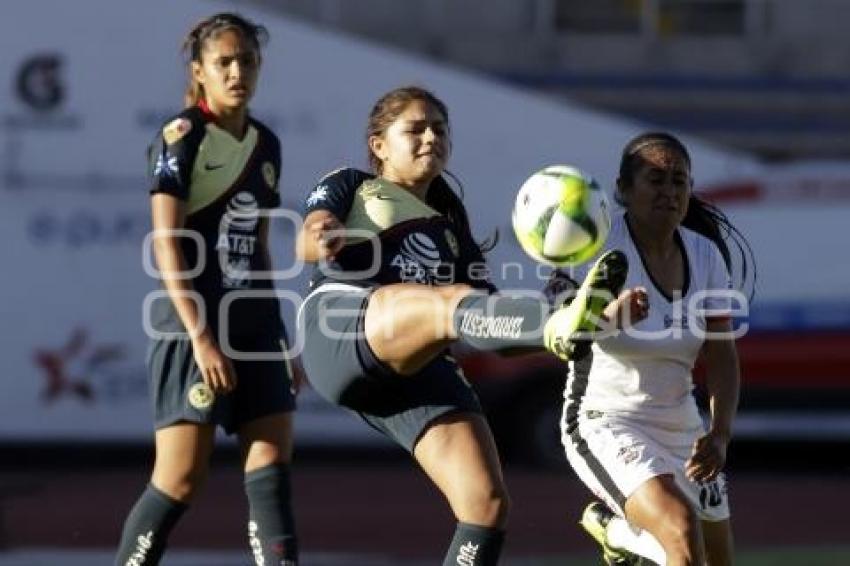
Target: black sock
[(474, 545), (147, 528), (271, 530), (501, 322)]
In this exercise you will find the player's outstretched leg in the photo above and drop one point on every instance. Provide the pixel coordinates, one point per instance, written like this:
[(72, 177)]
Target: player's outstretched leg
[(595, 521), (578, 319)]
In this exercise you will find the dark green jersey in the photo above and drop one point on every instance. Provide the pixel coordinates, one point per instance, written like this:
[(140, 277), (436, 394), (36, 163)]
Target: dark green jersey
[(226, 183), (392, 236)]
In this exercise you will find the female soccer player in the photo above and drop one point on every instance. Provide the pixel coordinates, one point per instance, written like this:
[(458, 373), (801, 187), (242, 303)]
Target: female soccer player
[(217, 354), (400, 278), (631, 427)]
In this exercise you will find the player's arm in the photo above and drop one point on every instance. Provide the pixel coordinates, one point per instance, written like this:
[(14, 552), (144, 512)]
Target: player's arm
[(168, 215), (320, 238), (723, 384), (171, 157), (322, 235)]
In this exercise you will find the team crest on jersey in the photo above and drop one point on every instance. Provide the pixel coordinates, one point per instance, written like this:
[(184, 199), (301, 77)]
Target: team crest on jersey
[(269, 175), (201, 396), (175, 130), (452, 242)]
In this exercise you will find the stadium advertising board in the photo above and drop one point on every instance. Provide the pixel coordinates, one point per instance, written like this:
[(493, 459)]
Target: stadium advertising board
[(82, 98)]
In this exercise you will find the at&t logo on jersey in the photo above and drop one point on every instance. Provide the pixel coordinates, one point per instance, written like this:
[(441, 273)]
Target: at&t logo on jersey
[(418, 259), (237, 239), (242, 212)]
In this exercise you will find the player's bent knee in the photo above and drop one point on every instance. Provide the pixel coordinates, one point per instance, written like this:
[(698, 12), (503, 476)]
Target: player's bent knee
[(486, 507)]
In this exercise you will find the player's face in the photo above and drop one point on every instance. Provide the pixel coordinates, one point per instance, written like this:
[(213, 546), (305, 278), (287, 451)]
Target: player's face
[(661, 188), (415, 147), (228, 71)]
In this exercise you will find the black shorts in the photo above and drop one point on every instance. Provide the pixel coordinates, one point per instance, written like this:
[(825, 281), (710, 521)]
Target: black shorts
[(342, 368), (179, 394)]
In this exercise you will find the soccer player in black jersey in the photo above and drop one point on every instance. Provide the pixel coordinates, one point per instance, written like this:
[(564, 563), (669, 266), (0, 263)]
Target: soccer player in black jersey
[(399, 279), (217, 350)]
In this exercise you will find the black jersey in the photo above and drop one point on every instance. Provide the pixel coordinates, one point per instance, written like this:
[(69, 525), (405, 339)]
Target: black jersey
[(392, 236), (225, 183)]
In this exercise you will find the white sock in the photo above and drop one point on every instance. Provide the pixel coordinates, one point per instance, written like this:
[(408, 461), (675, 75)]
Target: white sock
[(622, 535)]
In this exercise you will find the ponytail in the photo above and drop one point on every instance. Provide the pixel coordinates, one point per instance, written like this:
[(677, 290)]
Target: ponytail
[(708, 220)]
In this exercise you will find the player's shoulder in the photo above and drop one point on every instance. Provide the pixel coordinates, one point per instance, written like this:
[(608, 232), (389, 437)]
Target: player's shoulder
[(264, 131), (345, 177), (187, 125)]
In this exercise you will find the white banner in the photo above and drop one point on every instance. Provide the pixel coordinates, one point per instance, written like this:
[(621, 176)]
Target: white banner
[(83, 91)]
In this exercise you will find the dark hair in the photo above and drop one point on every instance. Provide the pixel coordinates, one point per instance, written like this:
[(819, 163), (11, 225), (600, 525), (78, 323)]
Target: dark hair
[(702, 217), (209, 28), (440, 195)]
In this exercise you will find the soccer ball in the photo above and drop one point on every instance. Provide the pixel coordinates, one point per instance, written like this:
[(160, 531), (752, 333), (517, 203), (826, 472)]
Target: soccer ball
[(561, 216)]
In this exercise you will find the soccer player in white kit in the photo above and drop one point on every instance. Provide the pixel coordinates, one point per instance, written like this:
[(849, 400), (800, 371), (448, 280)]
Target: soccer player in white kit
[(631, 427)]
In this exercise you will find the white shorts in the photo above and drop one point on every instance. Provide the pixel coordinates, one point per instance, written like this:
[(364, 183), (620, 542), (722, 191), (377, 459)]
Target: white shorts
[(614, 455)]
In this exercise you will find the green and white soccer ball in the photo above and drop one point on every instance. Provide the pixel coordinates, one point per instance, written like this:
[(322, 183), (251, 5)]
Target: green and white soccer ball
[(561, 216)]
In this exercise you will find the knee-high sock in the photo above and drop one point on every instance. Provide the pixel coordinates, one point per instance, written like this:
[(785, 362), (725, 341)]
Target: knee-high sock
[(474, 545), (147, 527), (622, 535), (271, 530), (501, 321)]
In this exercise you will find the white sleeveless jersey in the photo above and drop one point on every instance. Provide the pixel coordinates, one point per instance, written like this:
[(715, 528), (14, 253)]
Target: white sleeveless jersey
[(645, 372)]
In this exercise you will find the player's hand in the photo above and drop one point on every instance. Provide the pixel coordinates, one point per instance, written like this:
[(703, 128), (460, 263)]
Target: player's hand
[(216, 368), (629, 308), (708, 456), (329, 237)]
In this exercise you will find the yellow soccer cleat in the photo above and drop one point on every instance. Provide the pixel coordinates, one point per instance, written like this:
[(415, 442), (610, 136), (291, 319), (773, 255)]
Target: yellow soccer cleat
[(595, 521), (577, 320)]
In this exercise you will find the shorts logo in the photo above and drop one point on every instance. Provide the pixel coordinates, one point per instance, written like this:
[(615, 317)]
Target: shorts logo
[(175, 130), (269, 175), (201, 396), (628, 454), (711, 494)]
